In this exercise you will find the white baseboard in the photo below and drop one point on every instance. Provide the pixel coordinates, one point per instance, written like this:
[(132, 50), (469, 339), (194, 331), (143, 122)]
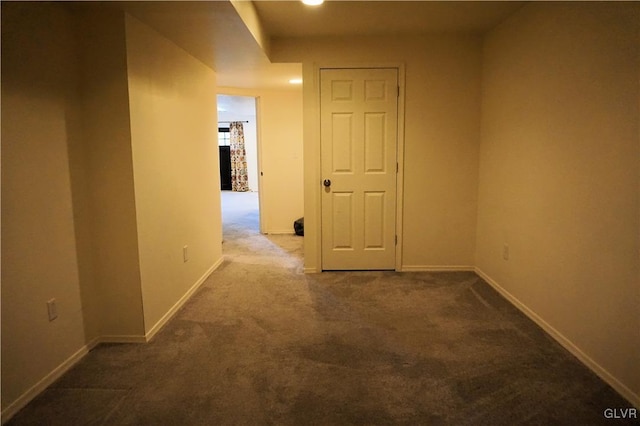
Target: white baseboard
[(436, 268), (414, 268), (280, 232), (620, 387), (119, 339), (176, 307), (45, 382)]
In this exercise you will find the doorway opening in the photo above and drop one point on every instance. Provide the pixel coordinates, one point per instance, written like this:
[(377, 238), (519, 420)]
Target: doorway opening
[(239, 170)]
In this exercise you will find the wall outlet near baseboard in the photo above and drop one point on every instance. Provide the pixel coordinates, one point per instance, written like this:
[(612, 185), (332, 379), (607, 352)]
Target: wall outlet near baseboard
[(52, 309), (505, 251), (185, 253)]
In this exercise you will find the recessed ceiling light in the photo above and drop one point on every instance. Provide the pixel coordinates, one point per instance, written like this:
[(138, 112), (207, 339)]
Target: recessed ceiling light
[(295, 81), (312, 2)]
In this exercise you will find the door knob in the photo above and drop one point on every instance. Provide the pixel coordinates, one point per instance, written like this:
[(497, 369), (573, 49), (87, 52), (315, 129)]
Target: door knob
[(327, 182)]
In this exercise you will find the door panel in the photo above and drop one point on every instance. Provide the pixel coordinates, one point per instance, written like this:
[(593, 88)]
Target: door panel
[(343, 219), (374, 142), (342, 147), (358, 125), (374, 220)]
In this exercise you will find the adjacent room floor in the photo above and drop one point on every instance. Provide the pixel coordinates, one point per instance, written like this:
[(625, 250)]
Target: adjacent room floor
[(262, 343)]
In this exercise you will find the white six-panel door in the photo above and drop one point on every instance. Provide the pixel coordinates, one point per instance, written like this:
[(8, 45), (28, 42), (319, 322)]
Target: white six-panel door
[(358, 125)]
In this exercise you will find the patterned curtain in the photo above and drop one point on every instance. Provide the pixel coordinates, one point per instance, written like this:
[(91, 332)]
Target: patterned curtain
[(239, 179)]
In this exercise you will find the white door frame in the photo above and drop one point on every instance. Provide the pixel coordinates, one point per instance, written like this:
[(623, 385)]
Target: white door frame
[(312, 175), (261, 217)]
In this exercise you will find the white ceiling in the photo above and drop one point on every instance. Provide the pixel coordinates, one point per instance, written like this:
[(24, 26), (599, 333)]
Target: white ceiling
[(345, 18), (213, 32)]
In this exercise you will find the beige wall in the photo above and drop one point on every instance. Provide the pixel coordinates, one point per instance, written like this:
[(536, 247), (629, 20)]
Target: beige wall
[(172, 98), (280, 127), (114, 297), (40, 105), (559, 177), (280, 155), (442, 118)]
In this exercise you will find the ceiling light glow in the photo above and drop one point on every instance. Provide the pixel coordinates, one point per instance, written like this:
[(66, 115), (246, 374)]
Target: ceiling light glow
[(295, 81), (312, 2)]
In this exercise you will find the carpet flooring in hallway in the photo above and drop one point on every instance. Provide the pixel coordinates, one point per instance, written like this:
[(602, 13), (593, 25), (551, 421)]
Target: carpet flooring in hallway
[(261, 343)]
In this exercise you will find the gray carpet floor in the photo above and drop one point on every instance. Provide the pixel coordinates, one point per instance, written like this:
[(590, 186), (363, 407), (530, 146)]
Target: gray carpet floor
[(261, 343)]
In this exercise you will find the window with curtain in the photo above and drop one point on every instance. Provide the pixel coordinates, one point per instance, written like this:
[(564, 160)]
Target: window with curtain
[(239, 177)]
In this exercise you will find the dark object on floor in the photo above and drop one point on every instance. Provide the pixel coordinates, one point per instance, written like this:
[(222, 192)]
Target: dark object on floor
[(298, 226)]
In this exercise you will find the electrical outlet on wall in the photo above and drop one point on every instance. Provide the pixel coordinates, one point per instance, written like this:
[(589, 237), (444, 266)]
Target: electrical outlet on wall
[(185, 253), (505, 251), (52, 309)]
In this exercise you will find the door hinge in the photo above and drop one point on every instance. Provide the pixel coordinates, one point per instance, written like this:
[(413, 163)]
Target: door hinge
[(397, 167), (398, 91), (396, 240)]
